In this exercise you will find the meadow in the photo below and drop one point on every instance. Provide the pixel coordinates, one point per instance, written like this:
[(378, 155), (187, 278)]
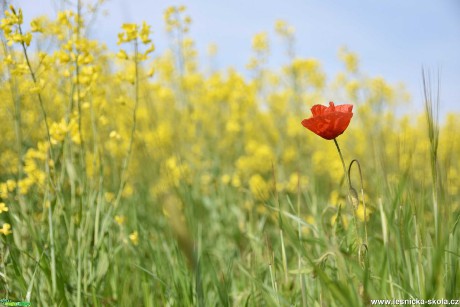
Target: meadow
[(131, 177)]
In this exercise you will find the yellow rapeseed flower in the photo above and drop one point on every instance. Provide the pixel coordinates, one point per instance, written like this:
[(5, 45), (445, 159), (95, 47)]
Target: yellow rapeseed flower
[(149, 50), (236, 181), (4, 190), (128, 190), (283, 29), (360, 213), (26, 38), (259, 187), (25, 184), (11, 184), (350, 59), (134, 237), (225, 179), (109, 197), (120, 219), (3, 208), (130, 33), (144, 33), (260, 42), (6, 229), (122, 55), (37, 24)]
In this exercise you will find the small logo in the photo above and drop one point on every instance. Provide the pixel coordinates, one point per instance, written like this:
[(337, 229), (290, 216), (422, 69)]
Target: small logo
[(8, 302)]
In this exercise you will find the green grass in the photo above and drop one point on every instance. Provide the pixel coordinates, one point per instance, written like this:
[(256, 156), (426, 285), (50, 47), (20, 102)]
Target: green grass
[(220, 254)]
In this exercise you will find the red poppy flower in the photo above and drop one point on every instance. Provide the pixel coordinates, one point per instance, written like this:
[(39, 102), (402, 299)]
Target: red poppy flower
[(329, 122)]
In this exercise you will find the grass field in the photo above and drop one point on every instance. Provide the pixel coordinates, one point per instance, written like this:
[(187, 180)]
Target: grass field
[(133, 178)]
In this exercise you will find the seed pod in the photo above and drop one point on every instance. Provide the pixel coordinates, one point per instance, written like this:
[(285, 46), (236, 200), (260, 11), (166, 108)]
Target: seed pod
[(353, 198)]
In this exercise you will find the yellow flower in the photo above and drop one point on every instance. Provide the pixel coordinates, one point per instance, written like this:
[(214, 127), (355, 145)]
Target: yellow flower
[(260, 42), (26, 38), (297, 182), (280, 25), (11, 185), (225, 179), (3, 208), (360, 213), (259, 187), (58, 131), (130, 33), (134, 237), (236, 181), (122, 55), (6, 229), (310, 219), (25, 184), (144, 33), (151, 72), (36, 25), (150, 49), (120, 219), (128, 190), (350, 59), (109, 197), (114, 135), (4, 190), (283, 29), (63, 17)]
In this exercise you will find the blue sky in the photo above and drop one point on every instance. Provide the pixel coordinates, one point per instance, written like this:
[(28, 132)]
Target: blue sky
[(393, 38)]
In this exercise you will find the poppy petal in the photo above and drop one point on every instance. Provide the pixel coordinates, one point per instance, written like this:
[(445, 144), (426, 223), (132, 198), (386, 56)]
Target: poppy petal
[(329, 122), (344, 108), (318, 109)]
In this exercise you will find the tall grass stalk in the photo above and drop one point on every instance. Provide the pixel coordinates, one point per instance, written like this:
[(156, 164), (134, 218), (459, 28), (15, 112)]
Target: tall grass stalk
[(77, 85), (432, 104)]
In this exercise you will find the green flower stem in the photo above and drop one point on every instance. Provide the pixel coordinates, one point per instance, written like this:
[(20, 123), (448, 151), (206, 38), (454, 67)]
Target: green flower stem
[(343, 163), (349, 200)]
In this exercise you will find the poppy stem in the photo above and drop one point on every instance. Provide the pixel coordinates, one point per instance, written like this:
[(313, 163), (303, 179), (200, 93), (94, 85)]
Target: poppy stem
[(350, 198), (343, 163)]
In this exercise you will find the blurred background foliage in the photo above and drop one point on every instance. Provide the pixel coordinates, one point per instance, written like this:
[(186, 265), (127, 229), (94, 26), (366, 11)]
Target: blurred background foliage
[(121, 171)]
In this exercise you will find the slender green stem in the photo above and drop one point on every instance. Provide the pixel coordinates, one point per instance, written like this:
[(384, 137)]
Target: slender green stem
[(40, 99), (77, 75), (349, 187), (133, 128), (17, 122), (362, 194), (52, 247), (343, 163)]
